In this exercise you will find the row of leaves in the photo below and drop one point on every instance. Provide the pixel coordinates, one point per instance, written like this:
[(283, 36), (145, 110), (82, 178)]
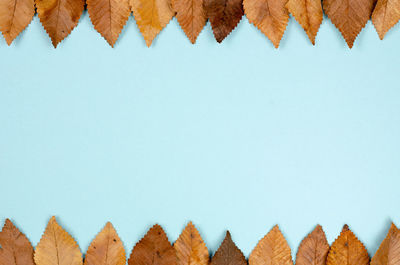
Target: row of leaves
[(59, 17), (57, 247)]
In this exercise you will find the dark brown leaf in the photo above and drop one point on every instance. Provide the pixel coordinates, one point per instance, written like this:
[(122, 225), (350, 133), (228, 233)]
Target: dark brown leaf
[(228, 253)]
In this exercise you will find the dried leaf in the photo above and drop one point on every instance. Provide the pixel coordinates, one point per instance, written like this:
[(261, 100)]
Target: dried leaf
[(271, 250), (347, 250), (349, 16), (191, 17), (57, 247), (386, 14), (106, 248), (15, 16), (109, 17), (153, 249), (59, 17), (309, 14), (151, 17), (190, 248), (224, 16), (269, 16), (313, 249), (15, 246), (228, 253), (389, 250)]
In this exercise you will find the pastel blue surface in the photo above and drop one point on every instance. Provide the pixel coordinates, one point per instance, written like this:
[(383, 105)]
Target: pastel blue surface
[(236, 136)]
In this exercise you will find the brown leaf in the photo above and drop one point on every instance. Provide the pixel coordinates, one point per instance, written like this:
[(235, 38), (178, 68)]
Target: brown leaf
[(309, 14), (106, 248), (389, 250), (347, 250), (349, 16), (151, 17), (224, 16), (228, 253), (386, 14), (15, 246), (109, 17), (191, 17), (57, 247), (59, 17), (272, 249), (313, 249), (269, 16), (153, 249), (190, 248), (15, 16)]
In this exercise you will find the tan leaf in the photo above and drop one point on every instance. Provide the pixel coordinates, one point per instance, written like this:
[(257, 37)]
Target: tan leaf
[(271, 250), (15, 246), (386, 14), (313, 249), (57, 247), (228, 253), (309, 14), (347, 250), (109, 17), (106, 248), (191, 17), (269, 16), (349, 16), (389, 250), (153, 249), (15, 16), (151, 17), (190, 248), (224, 16)]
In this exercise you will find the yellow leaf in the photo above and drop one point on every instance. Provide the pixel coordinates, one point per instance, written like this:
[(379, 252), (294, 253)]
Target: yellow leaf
[(389, 250), (386, 14)]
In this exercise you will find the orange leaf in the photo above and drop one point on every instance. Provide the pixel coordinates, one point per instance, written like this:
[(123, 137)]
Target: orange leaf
[(59, 17), (228, 253), (191, 17), (106, 248), (151, 17), (153, 249), (15, 16), (190, 248), (269, 16), (272, 249), (57, 247), (349, 16), (389, 250), (109, 17), (347, 250), (309, 14), (386, 14), (313, 249), (15, 246)]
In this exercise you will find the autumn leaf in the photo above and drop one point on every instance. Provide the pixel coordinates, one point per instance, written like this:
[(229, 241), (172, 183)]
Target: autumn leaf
[(15, 246), (109, 17), (153, 249), (347, 250), (15, 16), (269, 16), (228, 253), (224, 16), (151, 17), (272, 249), (389, 250), (57, 247), (313, 249), (349, 16), (106, 248), (309, 14), (191, 17), (386, 14)]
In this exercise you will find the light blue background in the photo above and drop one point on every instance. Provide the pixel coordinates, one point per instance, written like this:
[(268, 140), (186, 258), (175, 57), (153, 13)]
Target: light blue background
[(235, 136)]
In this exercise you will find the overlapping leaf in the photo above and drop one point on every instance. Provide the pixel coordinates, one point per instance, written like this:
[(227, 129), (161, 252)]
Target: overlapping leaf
[(389, 250), (269, 16), (224, 16), (386, 14), (228, 253), (313, 249)]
